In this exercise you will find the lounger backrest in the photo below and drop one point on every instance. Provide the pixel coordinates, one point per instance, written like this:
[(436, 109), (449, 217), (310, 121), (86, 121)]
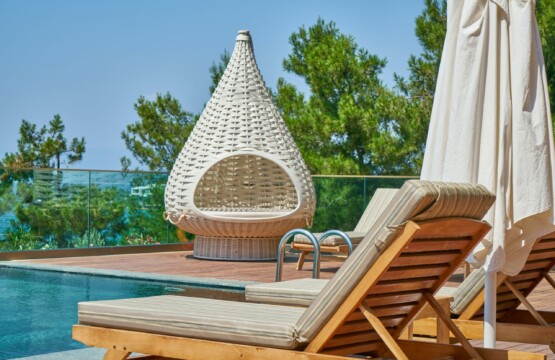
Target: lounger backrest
[(380, 199), (469, 305), (417, 201)]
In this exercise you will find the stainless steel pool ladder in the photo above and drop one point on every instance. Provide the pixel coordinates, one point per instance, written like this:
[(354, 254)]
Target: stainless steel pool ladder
[(315, 244)]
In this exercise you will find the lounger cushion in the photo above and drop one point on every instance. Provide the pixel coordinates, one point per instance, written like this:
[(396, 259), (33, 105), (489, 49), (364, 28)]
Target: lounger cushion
[(468, 290), (299, 292), (379, 202), (416, 200), (333, 240), (238, 322)]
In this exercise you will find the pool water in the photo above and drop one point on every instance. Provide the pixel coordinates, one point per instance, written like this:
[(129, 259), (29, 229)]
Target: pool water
[(38, 308)]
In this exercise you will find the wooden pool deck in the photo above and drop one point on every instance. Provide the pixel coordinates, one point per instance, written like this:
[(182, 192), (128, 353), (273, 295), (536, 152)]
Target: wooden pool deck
[(183, 263)]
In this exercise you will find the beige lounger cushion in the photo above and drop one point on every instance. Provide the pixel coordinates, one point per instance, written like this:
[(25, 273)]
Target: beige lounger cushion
[(299, 292), (333, 240), (380, 200), (416, 200), (448, 291), (468, 290), (239, 322)]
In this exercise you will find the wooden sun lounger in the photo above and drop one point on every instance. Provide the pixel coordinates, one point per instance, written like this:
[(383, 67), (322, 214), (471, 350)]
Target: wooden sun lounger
[(514, 325), (400, 270)]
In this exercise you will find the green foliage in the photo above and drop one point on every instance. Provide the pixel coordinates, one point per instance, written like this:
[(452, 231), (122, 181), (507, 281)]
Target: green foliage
[(342, 201), (7, 197), (125, 163), (217, 70), (545, 14), (157, 138), (347, 125), (419, 88), (57, 212), (164, 127), (415, 107), (19, 239), (139, 239), (44, 147), (54, 211), (88, 239), (145, 212)]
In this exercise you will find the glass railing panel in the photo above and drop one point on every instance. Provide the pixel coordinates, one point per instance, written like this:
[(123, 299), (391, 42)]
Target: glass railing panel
[(47, 208), (144, 200), (339, 203), (341, 200), (55, 209), (15, 190)]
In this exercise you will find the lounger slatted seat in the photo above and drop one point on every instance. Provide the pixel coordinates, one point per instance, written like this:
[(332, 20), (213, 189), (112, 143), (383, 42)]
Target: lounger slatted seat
[(524, 326), (362, 310), (335, 243)]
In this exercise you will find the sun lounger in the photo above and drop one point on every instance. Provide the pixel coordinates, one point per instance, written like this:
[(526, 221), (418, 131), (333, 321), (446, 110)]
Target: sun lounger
[(513, 324), (412, 249), (335, 243)]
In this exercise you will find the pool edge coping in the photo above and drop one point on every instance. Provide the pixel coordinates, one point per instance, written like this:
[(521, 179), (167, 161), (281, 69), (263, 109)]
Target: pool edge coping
[(214, 283)]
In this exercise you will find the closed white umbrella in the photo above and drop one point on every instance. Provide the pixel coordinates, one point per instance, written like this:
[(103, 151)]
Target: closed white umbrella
[(491, 124)]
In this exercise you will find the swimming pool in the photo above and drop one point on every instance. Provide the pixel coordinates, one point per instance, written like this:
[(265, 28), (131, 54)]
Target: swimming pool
[(38, 308)]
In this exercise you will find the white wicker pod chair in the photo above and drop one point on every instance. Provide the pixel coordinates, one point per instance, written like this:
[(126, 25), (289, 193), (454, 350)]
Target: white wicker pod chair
[(240, 182)]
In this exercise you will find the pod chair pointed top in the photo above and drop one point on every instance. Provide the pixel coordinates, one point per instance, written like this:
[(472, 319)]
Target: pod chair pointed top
[(240, 182)]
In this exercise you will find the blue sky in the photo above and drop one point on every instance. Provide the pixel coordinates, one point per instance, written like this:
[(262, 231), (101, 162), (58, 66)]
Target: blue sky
[(89, 61)]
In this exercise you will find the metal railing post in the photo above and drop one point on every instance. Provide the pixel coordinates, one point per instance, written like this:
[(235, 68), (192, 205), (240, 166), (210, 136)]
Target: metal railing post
[(89, 211)]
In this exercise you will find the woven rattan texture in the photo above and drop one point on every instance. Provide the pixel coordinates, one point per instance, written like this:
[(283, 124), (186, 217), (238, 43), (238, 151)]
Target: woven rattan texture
[(244, 249), (240, 159), (248, 183)]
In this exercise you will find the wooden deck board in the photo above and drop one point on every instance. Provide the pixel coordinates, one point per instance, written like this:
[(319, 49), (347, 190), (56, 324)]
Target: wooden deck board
[(183, 263)]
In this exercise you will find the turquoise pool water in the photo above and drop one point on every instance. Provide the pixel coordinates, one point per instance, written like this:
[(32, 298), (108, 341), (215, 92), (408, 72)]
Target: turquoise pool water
[(38, 308)]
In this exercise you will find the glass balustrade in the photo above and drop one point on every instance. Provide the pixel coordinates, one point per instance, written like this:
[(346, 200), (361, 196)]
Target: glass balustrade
[(44, 209)]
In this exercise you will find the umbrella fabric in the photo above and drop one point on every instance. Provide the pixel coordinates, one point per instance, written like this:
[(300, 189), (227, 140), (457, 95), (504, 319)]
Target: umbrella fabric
[(491, 123)]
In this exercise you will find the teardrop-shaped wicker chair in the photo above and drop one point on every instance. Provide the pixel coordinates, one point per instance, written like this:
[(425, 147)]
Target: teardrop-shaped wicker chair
[(240, 182)]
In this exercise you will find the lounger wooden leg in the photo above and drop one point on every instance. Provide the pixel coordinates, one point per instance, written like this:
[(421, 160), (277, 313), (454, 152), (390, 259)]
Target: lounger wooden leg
[(549, 279), (408, 334), (383, 333), (113, 354), (529, 306), (467, 269), (552, 283), (441, 314), (443, 333), (300, 263), (526, 303)]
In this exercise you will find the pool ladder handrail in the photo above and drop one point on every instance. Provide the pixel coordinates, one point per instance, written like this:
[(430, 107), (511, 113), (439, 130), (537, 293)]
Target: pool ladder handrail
[(316, 245), (281, 252), (340, 233)]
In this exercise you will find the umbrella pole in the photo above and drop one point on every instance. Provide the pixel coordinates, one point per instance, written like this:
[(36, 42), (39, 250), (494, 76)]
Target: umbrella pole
[(490, 309)]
